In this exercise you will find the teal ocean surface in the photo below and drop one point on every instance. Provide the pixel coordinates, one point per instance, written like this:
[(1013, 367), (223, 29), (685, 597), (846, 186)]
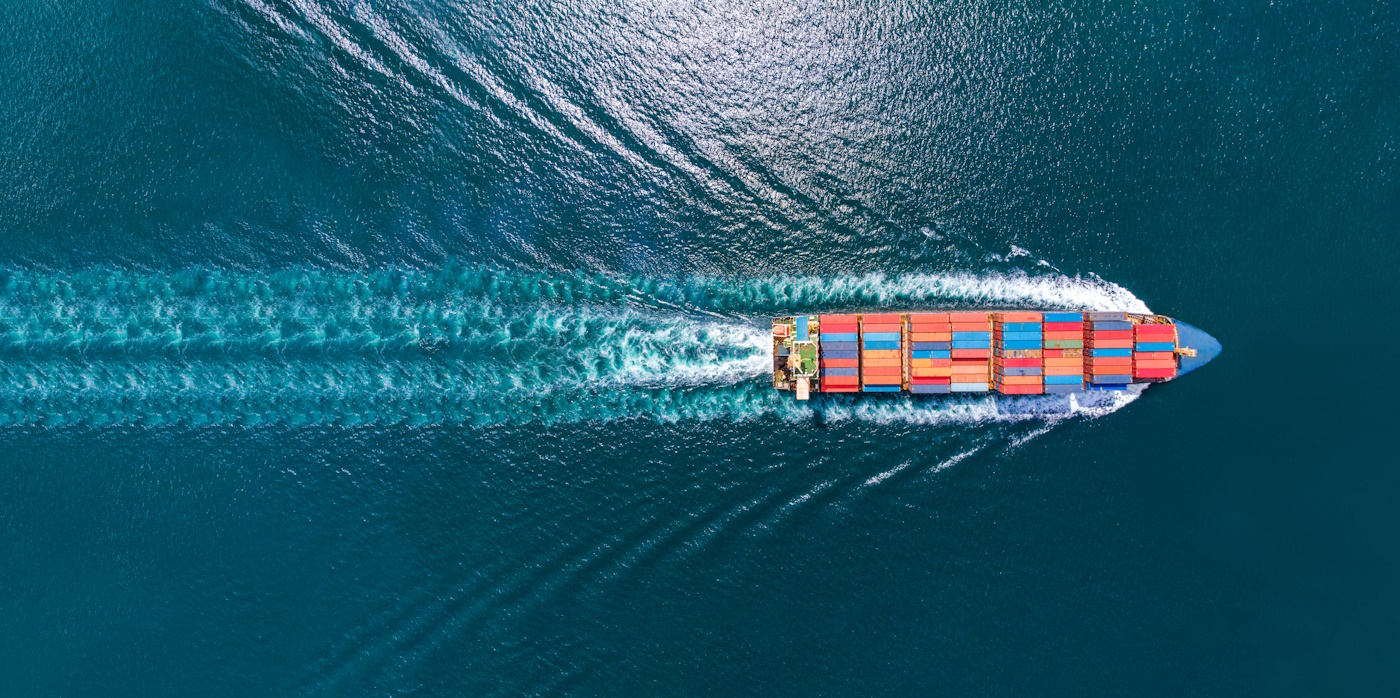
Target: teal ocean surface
[(421, 348)]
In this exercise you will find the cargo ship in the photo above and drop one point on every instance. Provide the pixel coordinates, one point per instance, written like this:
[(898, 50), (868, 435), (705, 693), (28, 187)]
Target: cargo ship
[(1007, 352)]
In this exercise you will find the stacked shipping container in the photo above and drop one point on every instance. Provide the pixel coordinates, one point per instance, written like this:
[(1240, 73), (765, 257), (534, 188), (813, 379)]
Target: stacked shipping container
[(1154, 351), (1017, 353), (930, 353), (881, 365), (971, 352), (1063, 355), (840, 359), (1109, 343)]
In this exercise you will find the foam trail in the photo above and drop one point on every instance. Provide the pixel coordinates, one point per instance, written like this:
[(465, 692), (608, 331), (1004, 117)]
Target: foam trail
[(455, 345)]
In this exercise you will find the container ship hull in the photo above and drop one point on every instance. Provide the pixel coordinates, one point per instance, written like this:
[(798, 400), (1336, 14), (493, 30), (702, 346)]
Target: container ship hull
[(1008, 352)]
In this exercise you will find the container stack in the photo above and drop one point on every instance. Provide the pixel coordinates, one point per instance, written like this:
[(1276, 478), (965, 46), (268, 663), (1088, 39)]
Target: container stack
[(840, 358), (1064, 352), (1016, 354), (971, 352), (881, 368), (1154, 351), (930, 354), (1109, 343)]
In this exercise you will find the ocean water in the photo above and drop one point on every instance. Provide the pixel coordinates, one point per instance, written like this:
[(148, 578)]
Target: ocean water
[(420, 348)]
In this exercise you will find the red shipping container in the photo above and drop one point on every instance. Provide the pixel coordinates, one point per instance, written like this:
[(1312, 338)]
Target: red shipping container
[(1020, 316), (1110, 344), (882, 327), (1021, 389), (840, 388), (928, 317), (1063, 327), (931, 327), (1063, 335), (1018, 363), (1155, 329), (1154, 355), (1155, 373), (888, 319), (971, 327), (932, 380), (839, 380), (840, 363), (843, 319), (1109, 361), (1155, 364), (971, 353), (969, 317), (1108, 334), (835, 327), (1054, 353)]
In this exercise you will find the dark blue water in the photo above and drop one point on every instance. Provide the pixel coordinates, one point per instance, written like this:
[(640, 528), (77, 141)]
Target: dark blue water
[(382, 348)]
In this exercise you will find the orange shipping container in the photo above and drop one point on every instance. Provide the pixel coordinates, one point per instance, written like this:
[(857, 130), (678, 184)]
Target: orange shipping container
[(930, 362), (1052, 361), (882, 327), (1019, 380), (931, 336), (880, 354), (930, 372), (882, 318), (881, 362), (881, 380), (1064, 335), (1063, 370), (839, 319), (1020, 316), (881, 370), (969, 317), (1110, 361), (971, 327), (928, 317)]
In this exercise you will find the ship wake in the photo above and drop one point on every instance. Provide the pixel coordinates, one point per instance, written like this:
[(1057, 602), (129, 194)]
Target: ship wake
[(457, 346)]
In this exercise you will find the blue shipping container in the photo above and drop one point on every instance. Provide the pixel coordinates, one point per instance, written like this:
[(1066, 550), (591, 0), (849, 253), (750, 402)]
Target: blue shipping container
[(968, 387), (1020, 344), (880, 388), (880, 345), (1113, 325), (1019, 371), (973, 344), (882, 336), (1155, 346), (1110, 352), (1064, 317), (1064, 380), (1111, 379), (1020, 327), (916, 354), (930, 389), (846, 354), (1076, 388), (1017, 336), (943, 346), (969, 336), (838, 336), (840, 372), (840, 346)]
